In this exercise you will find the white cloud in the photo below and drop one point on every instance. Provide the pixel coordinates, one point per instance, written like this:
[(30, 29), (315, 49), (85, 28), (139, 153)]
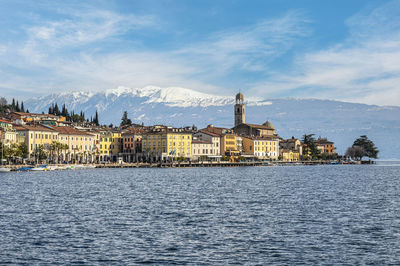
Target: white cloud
[(248, 48), (364, 68), (50, 65), (83, 28)]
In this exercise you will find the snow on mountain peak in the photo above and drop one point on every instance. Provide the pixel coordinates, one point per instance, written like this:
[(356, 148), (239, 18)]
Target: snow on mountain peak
[(178, 96)]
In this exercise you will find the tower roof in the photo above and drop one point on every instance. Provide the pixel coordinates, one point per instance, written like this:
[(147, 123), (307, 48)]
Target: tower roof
[(239, 96)]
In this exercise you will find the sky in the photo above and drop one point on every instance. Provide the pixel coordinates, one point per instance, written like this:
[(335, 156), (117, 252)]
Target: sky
[(341, 50)]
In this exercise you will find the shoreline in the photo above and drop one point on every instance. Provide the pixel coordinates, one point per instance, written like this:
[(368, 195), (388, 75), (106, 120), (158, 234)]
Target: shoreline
[(51, 167)]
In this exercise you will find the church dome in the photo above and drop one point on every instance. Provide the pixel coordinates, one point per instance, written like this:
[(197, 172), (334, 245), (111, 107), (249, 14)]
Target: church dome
[(269, 124)]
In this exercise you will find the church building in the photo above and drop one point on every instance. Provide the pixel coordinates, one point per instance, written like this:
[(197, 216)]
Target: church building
[(245, 129)]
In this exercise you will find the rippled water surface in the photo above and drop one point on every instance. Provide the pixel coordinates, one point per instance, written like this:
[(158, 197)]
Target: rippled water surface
[(254, 215)]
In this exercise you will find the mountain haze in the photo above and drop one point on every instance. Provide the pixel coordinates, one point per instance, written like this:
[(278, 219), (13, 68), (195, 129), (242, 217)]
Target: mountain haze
[(341, 122)]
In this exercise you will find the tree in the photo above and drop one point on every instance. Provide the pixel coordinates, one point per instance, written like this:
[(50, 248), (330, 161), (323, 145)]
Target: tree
[(23, 148), (125, 121), (64, 111), (3, 101), (22, 107), (51, 109), (40, 153), (56, 110), (367, 145), (96, 119), (355, 152), (17, 109), (310, 145)]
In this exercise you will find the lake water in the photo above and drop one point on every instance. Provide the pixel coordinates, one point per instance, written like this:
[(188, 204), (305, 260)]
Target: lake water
[(249, 215)]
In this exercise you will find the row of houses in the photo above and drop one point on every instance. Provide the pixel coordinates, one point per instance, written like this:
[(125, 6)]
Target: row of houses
[(64, 141)]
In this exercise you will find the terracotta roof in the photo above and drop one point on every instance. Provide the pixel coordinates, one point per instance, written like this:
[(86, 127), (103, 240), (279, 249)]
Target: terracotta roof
[(209, 133), (260, 138), (323, 141), (70, 131), (5, 121), (31, 114), (130, 131), (33, 128)]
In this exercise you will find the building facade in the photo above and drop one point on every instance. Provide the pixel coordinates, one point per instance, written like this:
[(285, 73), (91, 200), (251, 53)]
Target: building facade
[(37, 137), (167, 142), (215, 139), (262, 148)]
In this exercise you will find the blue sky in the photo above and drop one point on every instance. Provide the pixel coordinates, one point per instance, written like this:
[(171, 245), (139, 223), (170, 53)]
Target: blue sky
[(343, 50)]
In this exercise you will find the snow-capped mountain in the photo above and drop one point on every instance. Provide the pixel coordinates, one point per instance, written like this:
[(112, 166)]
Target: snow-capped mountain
[(341, 122)]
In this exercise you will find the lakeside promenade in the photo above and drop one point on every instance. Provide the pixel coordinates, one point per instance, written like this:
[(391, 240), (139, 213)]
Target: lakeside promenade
[(180, 164)]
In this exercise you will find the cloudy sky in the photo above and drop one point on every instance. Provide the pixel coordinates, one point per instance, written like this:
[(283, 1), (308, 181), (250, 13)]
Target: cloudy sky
[(343, 50)]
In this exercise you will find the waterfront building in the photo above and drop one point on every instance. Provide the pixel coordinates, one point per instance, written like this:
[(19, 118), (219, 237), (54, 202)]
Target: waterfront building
[(202, 149), (289, 155), (79, 146), (8, 137), (167, 142), (245, 129), (292, 144), (105, 150), (227, 137), (131, 144), (116, 145), (204, 135), (37, 137), (261, 147), (325, 146)]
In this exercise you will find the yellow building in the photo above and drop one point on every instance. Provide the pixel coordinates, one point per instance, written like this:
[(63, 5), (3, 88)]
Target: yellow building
[(37, 136), (288, 155), (105, 149), (79, 145), (168, 142), (229, 145), (116, 143), (263, 148), (109, 145)]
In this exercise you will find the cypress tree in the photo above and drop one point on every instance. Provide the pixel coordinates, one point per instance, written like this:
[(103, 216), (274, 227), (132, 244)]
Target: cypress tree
[(64, 110), (17, 107), (96, 119), (56, 110), (22, 107)]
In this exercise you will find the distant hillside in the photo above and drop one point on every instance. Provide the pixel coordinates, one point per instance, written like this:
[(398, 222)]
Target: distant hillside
[(339, 121)]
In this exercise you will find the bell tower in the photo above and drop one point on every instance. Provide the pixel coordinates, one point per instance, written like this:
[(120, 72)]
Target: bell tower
[(240, 117)]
